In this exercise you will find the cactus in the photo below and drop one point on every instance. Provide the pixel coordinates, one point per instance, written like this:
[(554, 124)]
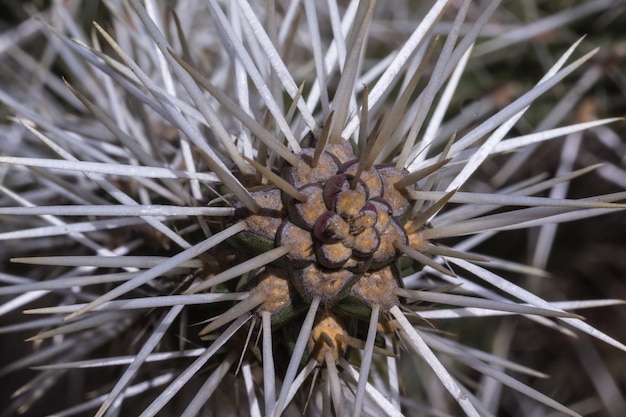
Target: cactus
[(214, 229)]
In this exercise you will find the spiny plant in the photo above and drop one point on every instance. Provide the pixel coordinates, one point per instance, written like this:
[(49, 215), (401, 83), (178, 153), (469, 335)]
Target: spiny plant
[(271, 173)]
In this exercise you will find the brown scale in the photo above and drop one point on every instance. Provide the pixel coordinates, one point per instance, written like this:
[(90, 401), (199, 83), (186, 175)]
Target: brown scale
[(299, 242), (390, 238), (326, 338), (398, 200), (306, 214), (366, 218), (264, 224), (333, 255), (377, 287), (275, 283), (366, 243), (302, 174), (370, 177), (340, 231), (331, 227), (329, 285), (342, 151)]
